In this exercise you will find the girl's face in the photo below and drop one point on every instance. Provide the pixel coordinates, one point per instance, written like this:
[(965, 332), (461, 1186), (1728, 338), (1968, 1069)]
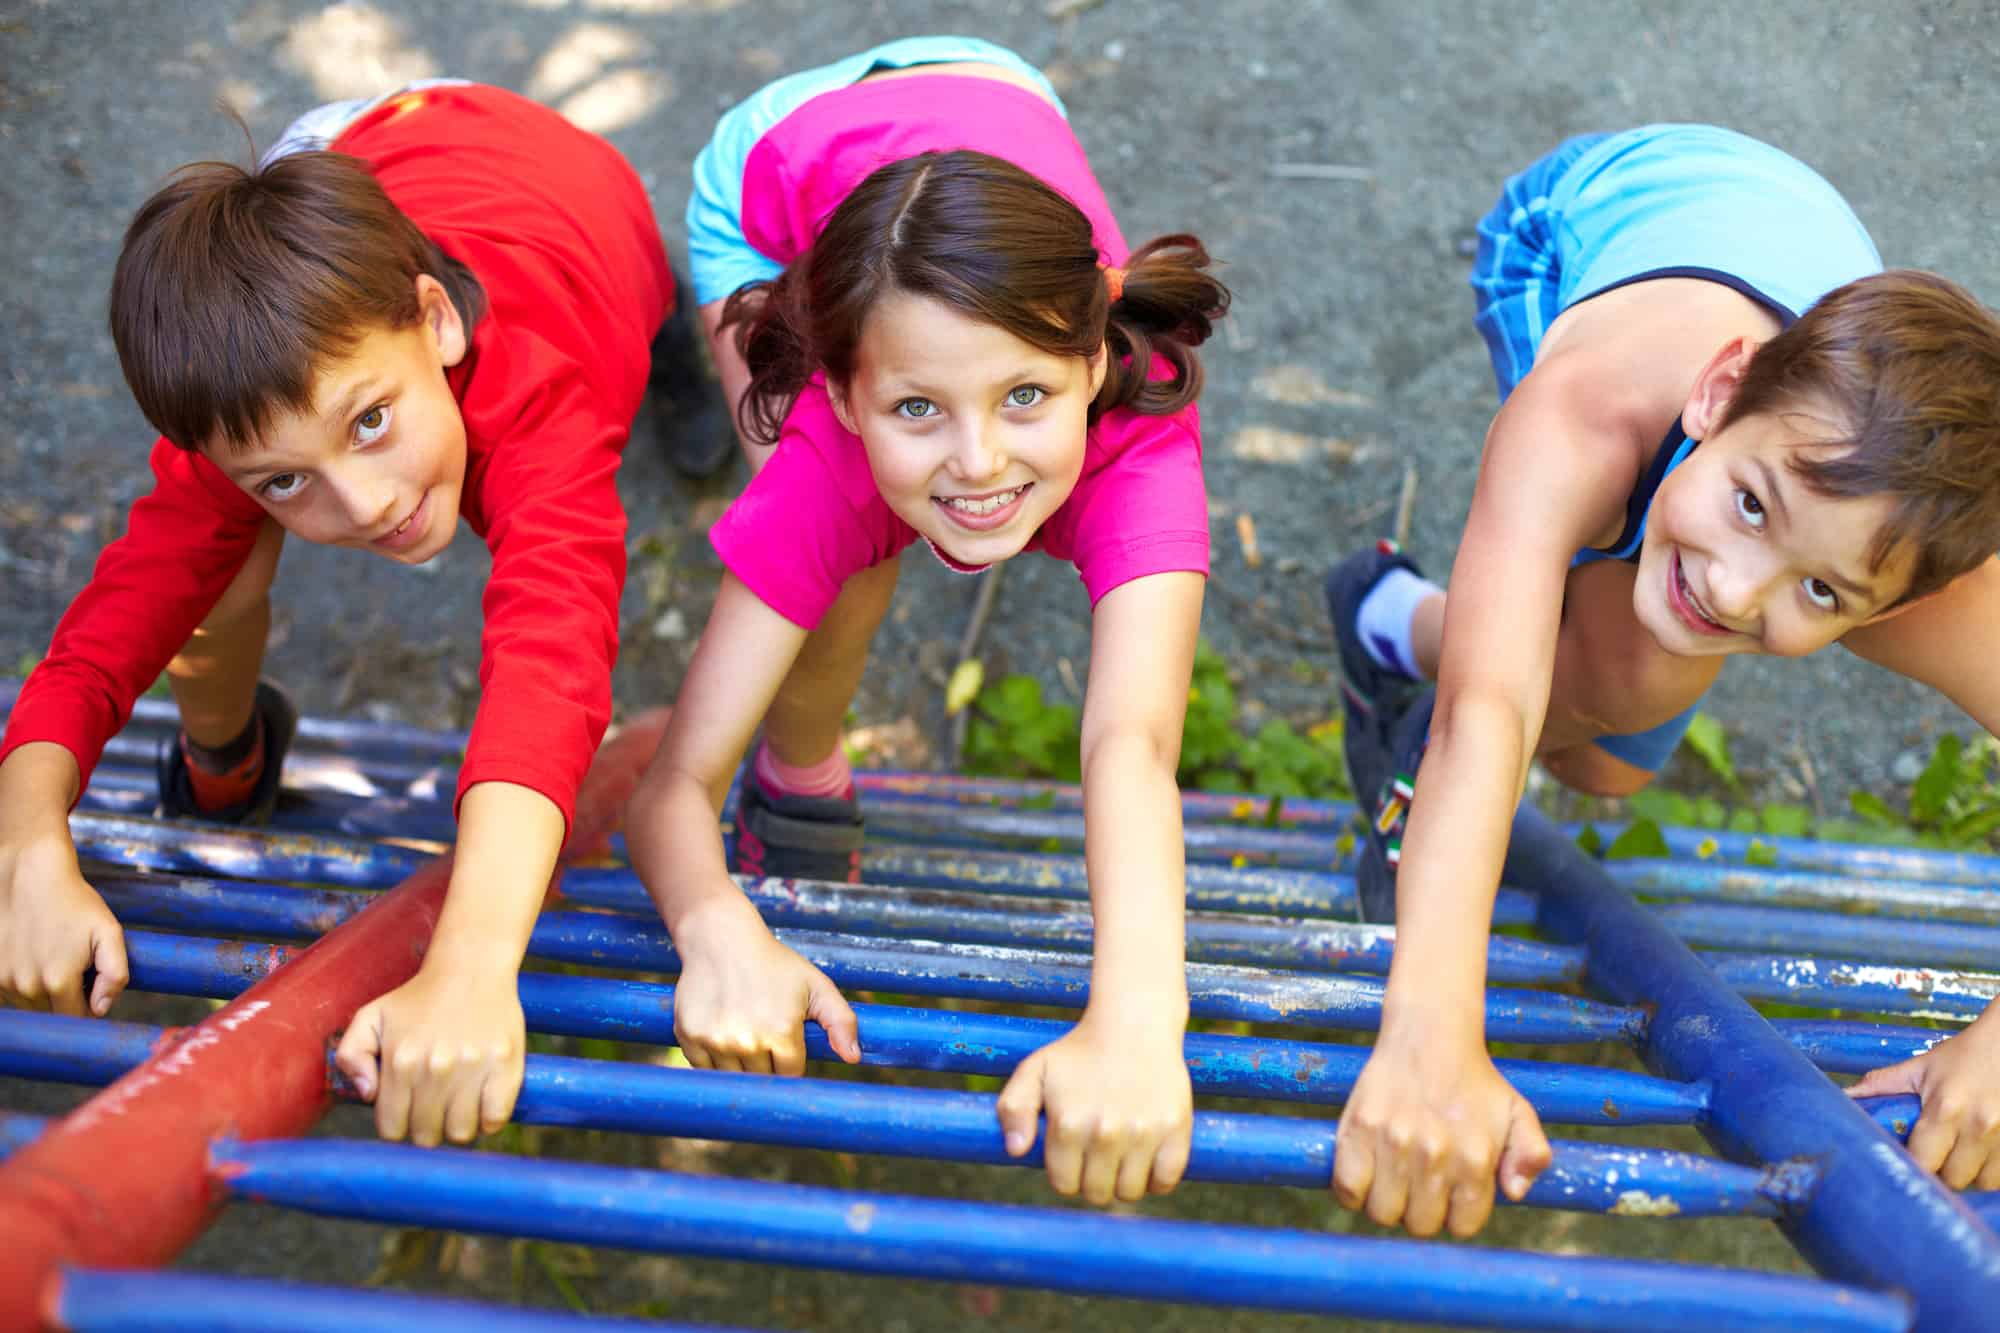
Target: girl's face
[(1741, 555), (974, 437), (378, 461)]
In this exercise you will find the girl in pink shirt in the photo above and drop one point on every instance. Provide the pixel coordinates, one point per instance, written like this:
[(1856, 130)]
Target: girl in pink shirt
[(955, 346)]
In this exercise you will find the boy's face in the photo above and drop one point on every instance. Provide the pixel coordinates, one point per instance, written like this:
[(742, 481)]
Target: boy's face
[(974, 437), (378, 461), (1741, 556)]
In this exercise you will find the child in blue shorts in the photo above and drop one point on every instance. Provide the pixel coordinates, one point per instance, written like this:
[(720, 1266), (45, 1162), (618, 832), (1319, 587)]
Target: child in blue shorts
[(1724, 429)]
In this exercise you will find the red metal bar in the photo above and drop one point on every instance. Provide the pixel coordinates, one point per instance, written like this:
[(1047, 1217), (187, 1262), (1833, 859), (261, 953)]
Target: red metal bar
[(122, 1181)]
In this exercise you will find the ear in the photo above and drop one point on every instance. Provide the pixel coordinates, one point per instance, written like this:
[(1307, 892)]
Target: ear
[(1100, 364), (1715, 388), (440, 315), (836, 394)]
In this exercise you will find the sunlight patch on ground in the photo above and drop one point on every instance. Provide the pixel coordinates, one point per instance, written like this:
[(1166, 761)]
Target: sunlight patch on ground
[(354, 50), (1269, 444), (1298, 386), (617, 100), (583, 53)]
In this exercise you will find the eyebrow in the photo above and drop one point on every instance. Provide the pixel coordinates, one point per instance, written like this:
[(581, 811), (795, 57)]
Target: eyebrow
[(340, 413), (912, 385), (1856, 588)]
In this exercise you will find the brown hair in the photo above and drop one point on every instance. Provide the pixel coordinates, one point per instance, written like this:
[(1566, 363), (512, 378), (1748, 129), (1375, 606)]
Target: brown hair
[(234, 287), (985, 237), (1910, 364)]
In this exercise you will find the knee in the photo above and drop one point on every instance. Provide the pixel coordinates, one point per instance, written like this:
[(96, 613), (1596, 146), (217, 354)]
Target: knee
[(249, 593)]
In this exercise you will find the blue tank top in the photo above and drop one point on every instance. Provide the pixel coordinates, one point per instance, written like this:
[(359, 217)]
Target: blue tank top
[(1673, 451)]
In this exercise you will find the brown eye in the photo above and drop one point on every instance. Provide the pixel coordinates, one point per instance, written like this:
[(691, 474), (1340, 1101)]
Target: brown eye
[(372, 425)]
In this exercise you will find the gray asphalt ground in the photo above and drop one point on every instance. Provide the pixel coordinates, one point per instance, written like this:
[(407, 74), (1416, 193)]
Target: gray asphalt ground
[(1335, 155)]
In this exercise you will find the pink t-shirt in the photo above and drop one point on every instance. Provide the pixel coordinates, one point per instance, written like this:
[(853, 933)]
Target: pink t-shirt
[(813, 517)]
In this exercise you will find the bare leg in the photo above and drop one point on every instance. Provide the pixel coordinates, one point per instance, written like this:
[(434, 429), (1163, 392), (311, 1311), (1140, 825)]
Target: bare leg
[(803, 725), (214, 677)]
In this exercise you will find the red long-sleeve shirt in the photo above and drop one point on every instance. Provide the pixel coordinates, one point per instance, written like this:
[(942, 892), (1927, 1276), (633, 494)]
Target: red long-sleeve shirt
[(559, 231)]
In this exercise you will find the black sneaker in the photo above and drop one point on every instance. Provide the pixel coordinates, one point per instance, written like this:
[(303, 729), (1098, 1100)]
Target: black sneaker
[(796, 837), (1385, 782), (281, 721), (692, 424)]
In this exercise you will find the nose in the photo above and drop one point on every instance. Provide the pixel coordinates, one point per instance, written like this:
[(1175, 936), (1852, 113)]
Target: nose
[(1736, 586), (978, 454), (365, 499)]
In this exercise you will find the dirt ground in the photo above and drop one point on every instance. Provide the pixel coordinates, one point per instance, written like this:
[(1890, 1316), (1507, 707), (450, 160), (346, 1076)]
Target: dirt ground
[(1335, 154)]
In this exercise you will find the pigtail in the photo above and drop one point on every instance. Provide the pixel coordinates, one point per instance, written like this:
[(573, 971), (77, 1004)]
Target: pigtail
[(1167, 307), (770, 326)]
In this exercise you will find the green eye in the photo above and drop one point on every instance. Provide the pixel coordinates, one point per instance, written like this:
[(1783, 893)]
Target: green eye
[(1026, 396), (916, 409)]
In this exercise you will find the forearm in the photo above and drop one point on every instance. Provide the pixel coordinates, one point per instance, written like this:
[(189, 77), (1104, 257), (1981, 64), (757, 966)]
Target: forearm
[(508, 838), (675, 841), (1453, 849), (730, 367), (1136, 859), (39, 782)]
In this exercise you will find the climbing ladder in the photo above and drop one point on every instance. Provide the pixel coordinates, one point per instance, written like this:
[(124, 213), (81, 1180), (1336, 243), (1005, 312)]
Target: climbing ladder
[(975, 891)]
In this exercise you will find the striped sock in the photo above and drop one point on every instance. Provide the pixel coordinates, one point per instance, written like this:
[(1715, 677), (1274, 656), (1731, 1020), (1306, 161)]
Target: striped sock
[(830, 777)]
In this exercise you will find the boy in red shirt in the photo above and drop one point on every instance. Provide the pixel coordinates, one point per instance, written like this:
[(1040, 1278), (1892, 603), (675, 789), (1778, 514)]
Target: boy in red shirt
[(447, 314)]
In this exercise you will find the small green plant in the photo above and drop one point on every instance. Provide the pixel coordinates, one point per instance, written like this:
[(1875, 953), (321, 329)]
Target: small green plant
[(1015, 732), (1954, 805)]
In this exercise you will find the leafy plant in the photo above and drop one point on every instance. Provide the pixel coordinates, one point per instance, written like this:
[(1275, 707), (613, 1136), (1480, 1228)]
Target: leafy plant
[(1015, 732)]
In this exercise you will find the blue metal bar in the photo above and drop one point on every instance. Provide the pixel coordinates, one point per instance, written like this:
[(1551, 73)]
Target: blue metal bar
[(1030, 976), (913, 1038), (1839, 1046), (1821, 889), (1870, 988), (264, 909), (1059, 1249), (61, 1049), (1261, 890), (1227, 1147), (17, 1131), (238, 853), (1875, 1215), (1919, 943), (108, 1300), (980, 918), (1039, 976)]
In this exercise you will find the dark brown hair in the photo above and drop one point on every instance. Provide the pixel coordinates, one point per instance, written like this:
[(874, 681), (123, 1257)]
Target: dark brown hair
[(234, 287), (986, 238), (1909, 363)]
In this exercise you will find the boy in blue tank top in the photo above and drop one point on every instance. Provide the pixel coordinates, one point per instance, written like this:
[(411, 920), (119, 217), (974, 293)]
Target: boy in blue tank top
[(1724, 429)]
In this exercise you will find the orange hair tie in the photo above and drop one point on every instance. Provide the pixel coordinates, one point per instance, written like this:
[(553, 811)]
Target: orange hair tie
[(1114, 281)]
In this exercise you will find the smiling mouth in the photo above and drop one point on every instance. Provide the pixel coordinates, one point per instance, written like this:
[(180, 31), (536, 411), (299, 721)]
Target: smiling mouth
[(405, 532), (1689, 606), (979, 506)]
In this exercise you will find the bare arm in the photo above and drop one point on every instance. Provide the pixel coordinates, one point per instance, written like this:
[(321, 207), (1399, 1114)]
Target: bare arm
[(1949, 642), (441, 1055), (1116, 1089), (742, 996), (1430, 1119), (53, 925)]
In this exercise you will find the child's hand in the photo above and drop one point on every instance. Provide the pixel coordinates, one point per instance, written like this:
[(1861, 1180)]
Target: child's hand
[(52, 927), (1120, 1110), (1428, 1125), (743, 998), (1958, 1080), (439, 1055)]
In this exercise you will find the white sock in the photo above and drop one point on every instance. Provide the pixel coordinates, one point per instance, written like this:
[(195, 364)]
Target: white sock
[(1386, 615)]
